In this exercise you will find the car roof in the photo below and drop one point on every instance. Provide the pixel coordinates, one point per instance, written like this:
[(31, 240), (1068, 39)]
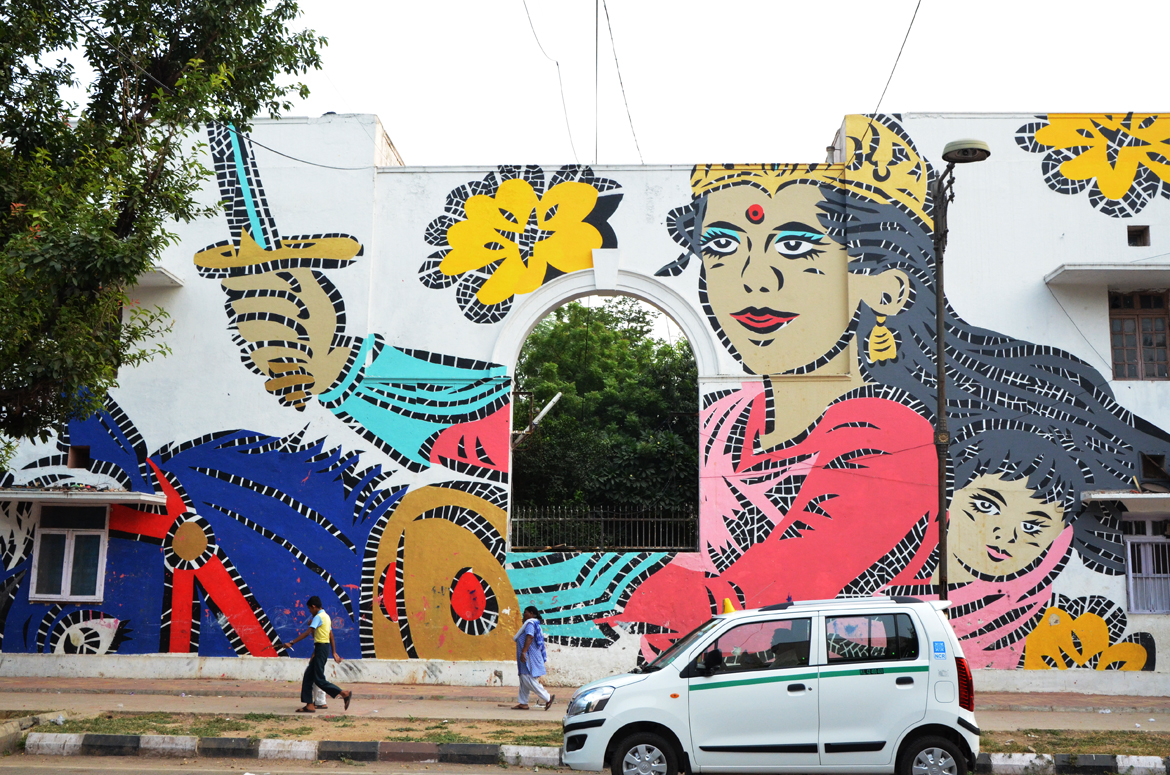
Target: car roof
[(840, 602)]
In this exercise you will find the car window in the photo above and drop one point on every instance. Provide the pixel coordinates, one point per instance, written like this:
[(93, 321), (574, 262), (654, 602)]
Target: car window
[(765, 645), (679, 646), (870, 637)]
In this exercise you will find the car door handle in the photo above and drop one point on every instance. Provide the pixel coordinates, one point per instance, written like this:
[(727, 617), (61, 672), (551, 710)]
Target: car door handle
[(905, 681), (794, 688)]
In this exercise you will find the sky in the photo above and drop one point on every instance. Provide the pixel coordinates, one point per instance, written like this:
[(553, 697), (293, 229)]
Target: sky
[(461, 82)]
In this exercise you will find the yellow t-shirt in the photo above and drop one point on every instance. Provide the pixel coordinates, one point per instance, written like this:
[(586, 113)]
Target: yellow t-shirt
[(321, 627)]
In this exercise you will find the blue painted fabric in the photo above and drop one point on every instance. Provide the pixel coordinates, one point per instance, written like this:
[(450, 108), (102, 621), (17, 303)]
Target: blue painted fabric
[(536, 654)]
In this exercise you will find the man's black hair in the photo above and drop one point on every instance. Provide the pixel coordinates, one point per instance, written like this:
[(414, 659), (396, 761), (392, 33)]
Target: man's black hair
[(314, 600)]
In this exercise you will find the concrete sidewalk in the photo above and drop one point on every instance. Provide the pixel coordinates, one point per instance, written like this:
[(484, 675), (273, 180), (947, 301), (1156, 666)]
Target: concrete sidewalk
[(995, 711)]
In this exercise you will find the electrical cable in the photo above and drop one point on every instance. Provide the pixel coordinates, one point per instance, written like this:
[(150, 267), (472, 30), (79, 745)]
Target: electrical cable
[(1108, 363), (613, 46), (564, 105), (899, 57), (229, 127)]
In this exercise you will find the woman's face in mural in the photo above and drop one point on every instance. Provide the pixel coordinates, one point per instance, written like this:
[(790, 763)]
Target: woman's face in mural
[(997, 527), (778, 286), (775, 280)]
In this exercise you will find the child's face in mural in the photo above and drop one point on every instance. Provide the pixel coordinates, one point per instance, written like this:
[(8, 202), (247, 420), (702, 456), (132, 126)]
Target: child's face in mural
[(997, 527), (777, 284)]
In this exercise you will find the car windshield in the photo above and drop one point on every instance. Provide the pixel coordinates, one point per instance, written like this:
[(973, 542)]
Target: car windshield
[(679, 646)]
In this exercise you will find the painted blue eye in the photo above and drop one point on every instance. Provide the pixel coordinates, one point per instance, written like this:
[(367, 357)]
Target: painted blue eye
[(720, 241), (797, 244)]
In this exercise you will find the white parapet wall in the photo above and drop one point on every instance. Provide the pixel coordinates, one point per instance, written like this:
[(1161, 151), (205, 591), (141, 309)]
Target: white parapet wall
[(155, 666), (1141, 683)]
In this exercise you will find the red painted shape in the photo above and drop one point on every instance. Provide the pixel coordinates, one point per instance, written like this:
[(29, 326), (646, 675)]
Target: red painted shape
[(222, 590), (492, 433), (130, 520), (182, 593), (468, 598)]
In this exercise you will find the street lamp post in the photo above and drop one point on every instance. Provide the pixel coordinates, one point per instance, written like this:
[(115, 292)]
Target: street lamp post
[(957, 152)]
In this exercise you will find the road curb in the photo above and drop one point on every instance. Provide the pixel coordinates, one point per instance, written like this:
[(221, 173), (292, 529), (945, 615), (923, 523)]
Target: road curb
[(89, 744)]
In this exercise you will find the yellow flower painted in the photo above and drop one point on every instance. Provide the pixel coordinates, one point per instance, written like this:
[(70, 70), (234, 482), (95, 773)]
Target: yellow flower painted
[(1059, 636), (1115, 151), (526, 232), (1125, 158)]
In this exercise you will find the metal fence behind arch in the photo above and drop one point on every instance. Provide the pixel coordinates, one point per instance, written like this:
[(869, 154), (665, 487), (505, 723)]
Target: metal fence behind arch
[(603, 528)]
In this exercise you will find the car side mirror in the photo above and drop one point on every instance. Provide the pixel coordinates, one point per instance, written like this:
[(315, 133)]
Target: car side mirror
[(712, 661)]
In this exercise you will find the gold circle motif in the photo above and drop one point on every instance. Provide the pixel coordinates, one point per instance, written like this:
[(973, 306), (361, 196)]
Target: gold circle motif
[(190, 541)]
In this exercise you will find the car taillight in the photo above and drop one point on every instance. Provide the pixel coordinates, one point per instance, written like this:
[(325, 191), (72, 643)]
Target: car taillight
[(966, 685)]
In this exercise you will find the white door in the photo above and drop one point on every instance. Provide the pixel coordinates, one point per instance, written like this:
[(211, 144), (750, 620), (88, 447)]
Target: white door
[(873, 685), (759, 711)]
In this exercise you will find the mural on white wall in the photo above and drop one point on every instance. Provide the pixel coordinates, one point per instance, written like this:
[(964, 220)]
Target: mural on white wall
[(810, 487)]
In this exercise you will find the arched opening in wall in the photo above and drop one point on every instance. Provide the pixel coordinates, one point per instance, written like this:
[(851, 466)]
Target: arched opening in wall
[(613, 464)]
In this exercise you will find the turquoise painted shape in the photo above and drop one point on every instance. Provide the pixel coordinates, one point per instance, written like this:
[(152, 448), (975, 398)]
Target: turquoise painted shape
[(568, 602), (403, 401)]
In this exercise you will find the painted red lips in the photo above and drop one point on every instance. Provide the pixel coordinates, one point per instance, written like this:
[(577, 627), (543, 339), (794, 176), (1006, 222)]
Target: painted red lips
[(996, 554), (762, 320)]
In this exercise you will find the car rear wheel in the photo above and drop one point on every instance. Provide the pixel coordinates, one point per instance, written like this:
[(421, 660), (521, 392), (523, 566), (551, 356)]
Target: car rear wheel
[(645, 753), (932, 756)]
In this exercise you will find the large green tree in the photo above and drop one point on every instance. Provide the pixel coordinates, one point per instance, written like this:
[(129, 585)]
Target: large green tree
[(88, 190), (626, 431)]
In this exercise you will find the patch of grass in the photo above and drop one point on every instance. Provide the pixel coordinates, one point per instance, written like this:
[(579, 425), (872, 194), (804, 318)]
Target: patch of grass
[(1055, 741), (295, 731), (261, 716), (216, 726), (110, 724)]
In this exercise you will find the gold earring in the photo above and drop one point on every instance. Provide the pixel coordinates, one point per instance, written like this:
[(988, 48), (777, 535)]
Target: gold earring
[(882, 346)]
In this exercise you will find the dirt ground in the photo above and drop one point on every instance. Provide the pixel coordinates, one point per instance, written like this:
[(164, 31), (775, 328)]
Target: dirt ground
[(322, 725), (335, 726), (1128, 743)]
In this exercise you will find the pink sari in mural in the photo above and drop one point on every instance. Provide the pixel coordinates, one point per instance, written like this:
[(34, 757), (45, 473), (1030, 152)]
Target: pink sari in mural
[(993, 618), (853, 497)]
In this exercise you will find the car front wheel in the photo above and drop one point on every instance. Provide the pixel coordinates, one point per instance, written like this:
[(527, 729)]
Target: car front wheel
[(932, 756), (645, 753)]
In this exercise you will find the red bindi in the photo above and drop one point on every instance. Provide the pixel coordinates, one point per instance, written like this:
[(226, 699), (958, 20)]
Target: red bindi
[(755, 213)]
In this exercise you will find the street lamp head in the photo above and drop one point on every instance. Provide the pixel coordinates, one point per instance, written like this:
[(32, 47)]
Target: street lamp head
[(965, 151)]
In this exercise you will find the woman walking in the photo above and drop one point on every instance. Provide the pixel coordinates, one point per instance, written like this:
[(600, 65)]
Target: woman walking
[(321, 628), (530, 659)]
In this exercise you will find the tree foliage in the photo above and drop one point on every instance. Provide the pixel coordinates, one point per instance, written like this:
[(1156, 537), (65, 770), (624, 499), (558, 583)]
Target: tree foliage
[(626, 431), (87, 191)]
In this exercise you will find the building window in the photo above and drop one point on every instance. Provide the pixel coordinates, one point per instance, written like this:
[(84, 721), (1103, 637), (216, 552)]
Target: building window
[(1148, 571), (69, 557), (1139, 236), (1138, 324)]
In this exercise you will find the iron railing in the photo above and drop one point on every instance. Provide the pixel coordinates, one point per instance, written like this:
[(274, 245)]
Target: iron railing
[(604, 528)]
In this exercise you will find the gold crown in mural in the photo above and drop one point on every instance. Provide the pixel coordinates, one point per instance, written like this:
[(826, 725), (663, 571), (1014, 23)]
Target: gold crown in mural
[(882, 165)]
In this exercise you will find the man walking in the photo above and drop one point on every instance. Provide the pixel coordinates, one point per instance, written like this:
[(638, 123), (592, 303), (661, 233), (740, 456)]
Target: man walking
[(321, 628)]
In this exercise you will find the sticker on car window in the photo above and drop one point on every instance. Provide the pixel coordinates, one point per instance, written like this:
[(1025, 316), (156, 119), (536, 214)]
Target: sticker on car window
[(940, 649)]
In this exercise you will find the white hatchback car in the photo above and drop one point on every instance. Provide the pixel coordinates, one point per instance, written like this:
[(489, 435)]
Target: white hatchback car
[(852, 685)]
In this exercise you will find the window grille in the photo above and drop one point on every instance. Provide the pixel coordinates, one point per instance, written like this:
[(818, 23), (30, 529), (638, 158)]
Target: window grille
[(1149, 576)]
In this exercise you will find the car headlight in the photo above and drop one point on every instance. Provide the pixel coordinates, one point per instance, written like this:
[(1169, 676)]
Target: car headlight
[(591, 701)]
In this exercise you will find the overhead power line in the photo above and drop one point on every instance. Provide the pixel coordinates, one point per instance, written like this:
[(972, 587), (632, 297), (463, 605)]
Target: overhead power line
[(613, 46), (899, 57), (560, 83)]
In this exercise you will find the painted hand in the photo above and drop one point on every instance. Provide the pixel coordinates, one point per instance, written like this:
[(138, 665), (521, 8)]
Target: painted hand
[(290, 317)]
